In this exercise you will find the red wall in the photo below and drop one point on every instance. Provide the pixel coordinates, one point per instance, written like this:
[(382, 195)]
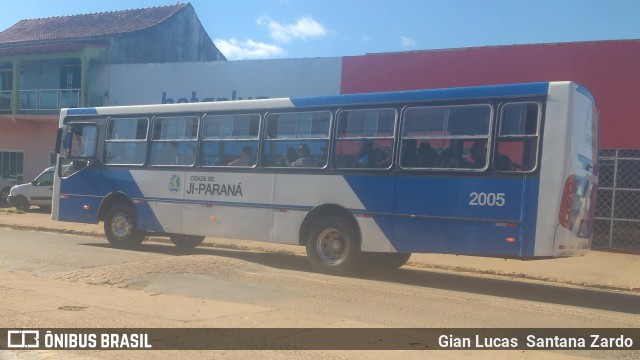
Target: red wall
[(609, 69)]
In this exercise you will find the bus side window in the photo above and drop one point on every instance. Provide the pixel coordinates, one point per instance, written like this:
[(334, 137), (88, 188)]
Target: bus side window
[(446, 137), (126, 141), (174, 140), (230, 140), (517, 141), (296, 139), (364, 139)]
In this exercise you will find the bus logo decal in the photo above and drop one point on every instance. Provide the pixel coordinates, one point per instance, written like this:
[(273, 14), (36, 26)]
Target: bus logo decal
[(174, 183)]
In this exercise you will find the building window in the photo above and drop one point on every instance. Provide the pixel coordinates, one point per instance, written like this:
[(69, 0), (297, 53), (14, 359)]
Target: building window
[(11, 165)]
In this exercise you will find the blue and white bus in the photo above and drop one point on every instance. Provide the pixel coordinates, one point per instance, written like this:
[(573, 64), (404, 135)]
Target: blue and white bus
[(500, 171)]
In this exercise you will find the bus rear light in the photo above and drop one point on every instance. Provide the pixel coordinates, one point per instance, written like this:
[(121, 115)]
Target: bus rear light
[(566, 204), (138, 201), (65, 196), (87, 207), (214, 218), (507, 224), (511, 240)]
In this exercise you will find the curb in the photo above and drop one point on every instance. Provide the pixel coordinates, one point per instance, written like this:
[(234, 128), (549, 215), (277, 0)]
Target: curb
[(443, 268)]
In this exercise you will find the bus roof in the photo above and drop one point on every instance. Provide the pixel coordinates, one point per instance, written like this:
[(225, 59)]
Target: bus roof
[(508, 90)]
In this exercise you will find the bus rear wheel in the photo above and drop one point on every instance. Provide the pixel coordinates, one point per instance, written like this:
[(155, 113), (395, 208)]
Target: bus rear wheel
[(120, 227), (333, 247), (186, 241)]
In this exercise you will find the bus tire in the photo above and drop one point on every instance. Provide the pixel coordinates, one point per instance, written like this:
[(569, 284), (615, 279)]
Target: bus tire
[(186, 241), (333, 246), (385, 261), (120, 227)]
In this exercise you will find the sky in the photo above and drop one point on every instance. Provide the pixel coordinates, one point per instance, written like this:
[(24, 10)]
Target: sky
[(275, 29)]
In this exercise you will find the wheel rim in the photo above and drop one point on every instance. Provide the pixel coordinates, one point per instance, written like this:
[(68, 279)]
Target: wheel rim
[(332, 247), (121, 225)]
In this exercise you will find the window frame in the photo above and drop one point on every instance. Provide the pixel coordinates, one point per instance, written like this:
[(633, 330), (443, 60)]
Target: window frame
[(328, 139), (488, 138), (145, 141), (335, 139), (203, 140), (537, 136), (195, 140)]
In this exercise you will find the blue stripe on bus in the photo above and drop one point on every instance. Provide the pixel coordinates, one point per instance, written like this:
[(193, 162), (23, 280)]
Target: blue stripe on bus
[(532, 89), (91, 185), (82, 111), (416, 214), (445, 221)]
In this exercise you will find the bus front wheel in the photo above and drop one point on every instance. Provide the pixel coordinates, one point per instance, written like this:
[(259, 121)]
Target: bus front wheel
[(186, 241), (120, 227), (333, 247)]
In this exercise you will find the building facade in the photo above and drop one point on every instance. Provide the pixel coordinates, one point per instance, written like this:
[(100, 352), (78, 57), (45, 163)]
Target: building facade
[(53, 63)]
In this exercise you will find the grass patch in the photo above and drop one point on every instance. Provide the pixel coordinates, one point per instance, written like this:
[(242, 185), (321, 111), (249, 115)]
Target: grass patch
[(12, 211)]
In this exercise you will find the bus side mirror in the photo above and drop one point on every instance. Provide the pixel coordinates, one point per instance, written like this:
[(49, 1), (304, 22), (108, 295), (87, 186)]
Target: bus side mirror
[(58, 140), (67, 142)]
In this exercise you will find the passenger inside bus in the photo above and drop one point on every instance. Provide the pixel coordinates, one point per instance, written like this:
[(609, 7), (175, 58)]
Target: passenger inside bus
[(409, 153), (426, 156), (304, 157), (245, 158), (478, 153), (289, 156), (447, 160)]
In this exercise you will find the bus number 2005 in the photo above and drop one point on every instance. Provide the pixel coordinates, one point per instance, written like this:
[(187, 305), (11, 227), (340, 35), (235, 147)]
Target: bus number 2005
[(486, 199)]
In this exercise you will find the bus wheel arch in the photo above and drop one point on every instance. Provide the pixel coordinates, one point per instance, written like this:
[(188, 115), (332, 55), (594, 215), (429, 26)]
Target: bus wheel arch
[(110, 201), (120, 221), (332, 239), (324, 211)]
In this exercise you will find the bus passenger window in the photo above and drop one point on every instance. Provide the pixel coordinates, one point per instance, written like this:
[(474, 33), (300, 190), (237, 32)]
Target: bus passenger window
[(296, 139), (126, 141), (365, 139), (230, 140), (517, 142), (446, 137), (174, 140)]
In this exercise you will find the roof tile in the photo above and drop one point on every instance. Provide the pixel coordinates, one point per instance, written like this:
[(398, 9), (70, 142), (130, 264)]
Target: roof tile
[(87, 25)]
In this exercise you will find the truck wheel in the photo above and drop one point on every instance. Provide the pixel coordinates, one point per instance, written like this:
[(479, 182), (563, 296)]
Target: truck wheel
[(120, 227), (4, 195), (333, 246), (22, 203), (186, 241)]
